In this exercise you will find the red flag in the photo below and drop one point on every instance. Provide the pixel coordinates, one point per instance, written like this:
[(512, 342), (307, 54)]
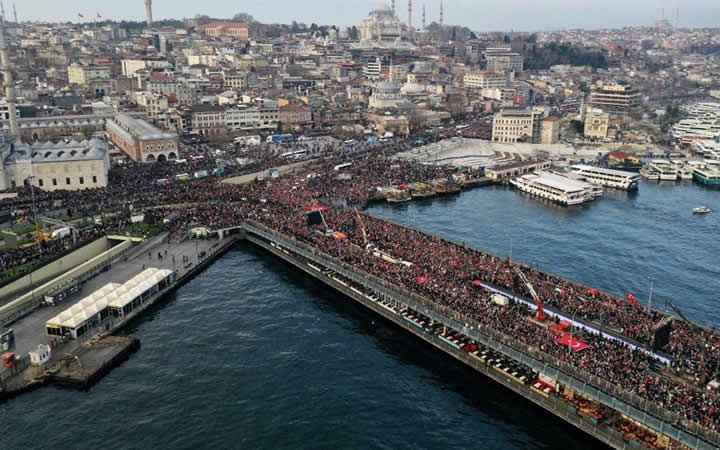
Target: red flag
[(631, 298), (477, 283), (574, 344), (422, 280)]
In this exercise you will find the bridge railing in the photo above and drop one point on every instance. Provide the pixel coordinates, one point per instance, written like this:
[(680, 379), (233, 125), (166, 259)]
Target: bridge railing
[(658, 417)]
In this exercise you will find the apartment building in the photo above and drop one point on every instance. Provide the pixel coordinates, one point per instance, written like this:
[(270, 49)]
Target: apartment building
[(487, 80), (615, 97), (511, 125)]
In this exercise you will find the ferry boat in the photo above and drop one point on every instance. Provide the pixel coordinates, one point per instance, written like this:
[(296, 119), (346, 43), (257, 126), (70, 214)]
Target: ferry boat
[(650, 174), (618, 179), (666, 171), (707, 175), (421, 190), (596, 190), (702, 210), (554, 188), (685, 172), (398, 196)]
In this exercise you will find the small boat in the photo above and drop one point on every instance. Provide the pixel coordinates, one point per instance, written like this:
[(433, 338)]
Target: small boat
[(702, 210), (398, 196)]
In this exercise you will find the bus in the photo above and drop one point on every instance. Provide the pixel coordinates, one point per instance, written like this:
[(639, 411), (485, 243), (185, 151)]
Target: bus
[(201, 174), (349, 143), (342, 166), (280, 138), (162, 182), (182, 177), (462, 127)]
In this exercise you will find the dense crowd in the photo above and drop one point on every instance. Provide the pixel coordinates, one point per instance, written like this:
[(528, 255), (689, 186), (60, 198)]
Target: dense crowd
[(447, 273), (444, 272)]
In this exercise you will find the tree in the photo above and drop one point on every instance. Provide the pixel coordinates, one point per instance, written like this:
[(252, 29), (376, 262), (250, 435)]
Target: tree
[(243, 17)]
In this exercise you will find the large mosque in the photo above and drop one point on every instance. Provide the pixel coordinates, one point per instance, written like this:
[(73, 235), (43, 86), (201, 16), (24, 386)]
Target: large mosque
[(381, 25)]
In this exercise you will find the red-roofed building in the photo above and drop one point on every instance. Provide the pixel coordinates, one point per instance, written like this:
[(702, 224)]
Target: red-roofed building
[(234, 29), (618, 156)]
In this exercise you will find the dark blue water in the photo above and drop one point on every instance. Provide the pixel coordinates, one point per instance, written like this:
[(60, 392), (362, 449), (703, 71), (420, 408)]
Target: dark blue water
[(253, 354)]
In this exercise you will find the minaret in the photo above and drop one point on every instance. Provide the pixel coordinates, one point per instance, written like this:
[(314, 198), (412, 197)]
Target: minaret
[(410, 23), (9, 84), (2, 9), (148, 13), (423, 18), (15, 13), (442, 21)]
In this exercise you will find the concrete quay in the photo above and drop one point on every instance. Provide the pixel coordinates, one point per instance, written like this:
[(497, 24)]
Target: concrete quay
[(79, 363)]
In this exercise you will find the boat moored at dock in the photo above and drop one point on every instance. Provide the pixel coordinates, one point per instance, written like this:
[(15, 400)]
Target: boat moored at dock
[(555, 188), (398, 196), (709, 176), (617, 179)]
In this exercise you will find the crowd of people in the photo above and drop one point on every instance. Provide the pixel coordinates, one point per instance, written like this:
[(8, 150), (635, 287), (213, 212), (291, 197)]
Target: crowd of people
[(447, 273)]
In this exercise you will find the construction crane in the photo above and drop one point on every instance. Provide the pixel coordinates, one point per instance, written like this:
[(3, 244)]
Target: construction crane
[(362, 226), (40, 234), (700, 340), (540, 315)]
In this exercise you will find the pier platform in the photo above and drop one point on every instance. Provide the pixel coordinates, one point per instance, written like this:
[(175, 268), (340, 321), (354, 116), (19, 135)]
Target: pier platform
[(80, 363)]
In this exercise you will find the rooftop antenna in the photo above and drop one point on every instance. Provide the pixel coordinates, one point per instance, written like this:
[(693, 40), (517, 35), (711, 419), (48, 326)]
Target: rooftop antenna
[(392, 6), (423, 17)]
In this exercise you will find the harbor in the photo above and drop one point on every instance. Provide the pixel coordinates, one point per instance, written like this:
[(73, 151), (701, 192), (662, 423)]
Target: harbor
[(499, 363), (78, 345)]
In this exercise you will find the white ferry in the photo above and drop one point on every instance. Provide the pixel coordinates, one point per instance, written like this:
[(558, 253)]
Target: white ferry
[(665, 169), (617, 179), (554, 188)]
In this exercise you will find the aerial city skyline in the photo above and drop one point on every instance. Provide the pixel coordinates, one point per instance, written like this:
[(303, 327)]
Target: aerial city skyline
[(523, 15), (402, 224)]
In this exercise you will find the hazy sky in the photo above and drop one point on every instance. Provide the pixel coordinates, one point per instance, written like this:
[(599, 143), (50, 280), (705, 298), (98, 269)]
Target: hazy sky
[(477, 14)]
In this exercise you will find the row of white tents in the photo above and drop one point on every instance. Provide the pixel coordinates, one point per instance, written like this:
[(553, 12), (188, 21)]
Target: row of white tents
[(118, 300)]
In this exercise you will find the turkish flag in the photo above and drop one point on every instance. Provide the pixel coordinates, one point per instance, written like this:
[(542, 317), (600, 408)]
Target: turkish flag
[(571, 342)]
